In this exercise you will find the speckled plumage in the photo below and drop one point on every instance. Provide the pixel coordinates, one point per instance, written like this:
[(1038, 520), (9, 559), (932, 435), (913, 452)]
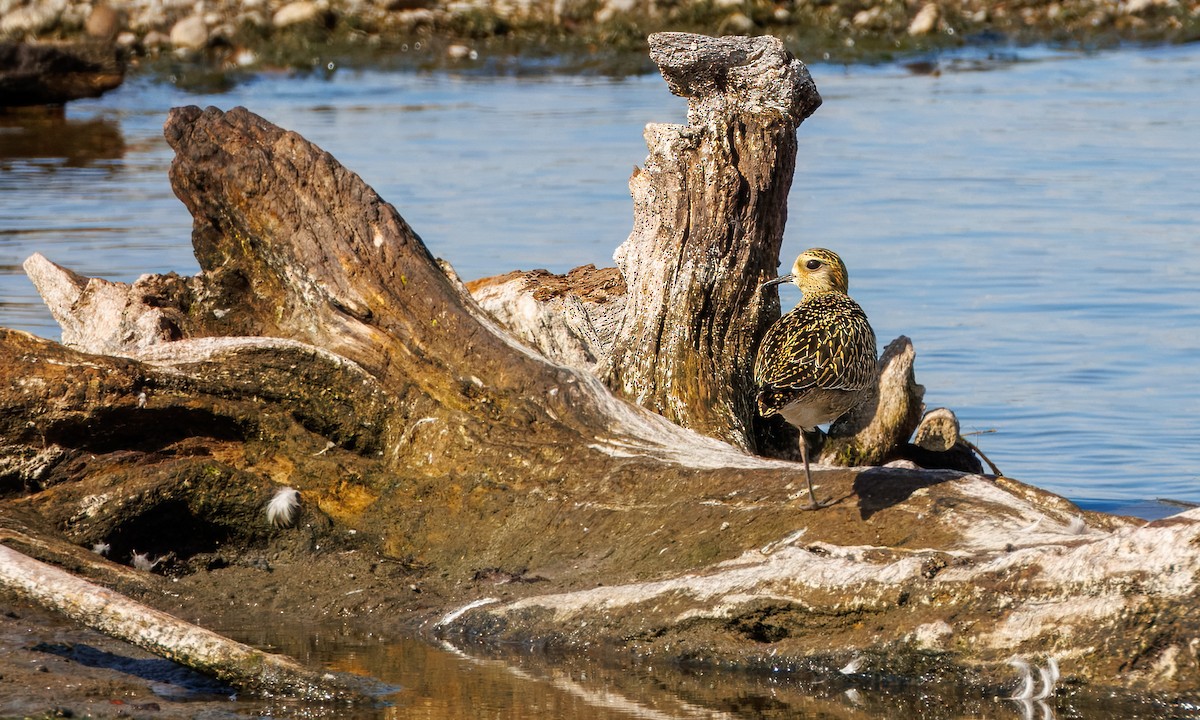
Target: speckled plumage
[(819, 360)]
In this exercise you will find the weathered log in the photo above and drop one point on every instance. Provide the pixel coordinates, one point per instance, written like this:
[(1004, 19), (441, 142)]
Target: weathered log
[(710, 206), (938, 443), (456, 448), (113, 614), (68, 556), (1109, 607), (53, 74), (570, 319), (869, 433)]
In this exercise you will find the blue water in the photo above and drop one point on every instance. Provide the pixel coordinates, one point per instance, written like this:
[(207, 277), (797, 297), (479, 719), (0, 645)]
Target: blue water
[(1033, 227)]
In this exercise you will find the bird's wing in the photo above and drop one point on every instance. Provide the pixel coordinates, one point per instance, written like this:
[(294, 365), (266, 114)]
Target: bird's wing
[(825, 342)]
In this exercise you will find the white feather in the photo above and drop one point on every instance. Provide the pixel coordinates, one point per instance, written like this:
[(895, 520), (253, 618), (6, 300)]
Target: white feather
[(1033, 527), (142, 561), (852, 666), (283, 507)]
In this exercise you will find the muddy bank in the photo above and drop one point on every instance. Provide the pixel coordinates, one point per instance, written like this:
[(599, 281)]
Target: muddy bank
[(177, 36)]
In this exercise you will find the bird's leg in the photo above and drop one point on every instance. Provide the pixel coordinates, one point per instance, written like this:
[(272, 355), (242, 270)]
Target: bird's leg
[(812, 499)]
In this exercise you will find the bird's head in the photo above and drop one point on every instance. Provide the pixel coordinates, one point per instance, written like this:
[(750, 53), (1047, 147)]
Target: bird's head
[(817, 270)]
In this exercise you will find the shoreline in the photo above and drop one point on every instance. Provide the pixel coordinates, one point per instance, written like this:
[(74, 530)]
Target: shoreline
[(575, 36)]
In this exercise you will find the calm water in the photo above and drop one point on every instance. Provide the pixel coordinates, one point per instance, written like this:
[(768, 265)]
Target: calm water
[(450, 683), (1033, 227)]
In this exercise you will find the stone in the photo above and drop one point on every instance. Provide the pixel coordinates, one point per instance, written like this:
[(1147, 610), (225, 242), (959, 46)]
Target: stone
[(738, 24), (55, 73), (190, 33), (1138, 7), (926, 20), (612, 9), (31, 19), (294, 13), (104, 23)]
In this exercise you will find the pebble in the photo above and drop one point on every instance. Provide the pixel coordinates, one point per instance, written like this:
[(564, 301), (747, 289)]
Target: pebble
[(926, 20), (294, 13), (190, 33), (1137, 7), (104, 23), (615, 8), (572, 10), (867, 18), (156, 39), (31, 18), (737, 24)]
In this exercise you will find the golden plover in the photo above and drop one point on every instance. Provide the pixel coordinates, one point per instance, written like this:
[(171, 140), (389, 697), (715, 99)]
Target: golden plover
[(818, 361)]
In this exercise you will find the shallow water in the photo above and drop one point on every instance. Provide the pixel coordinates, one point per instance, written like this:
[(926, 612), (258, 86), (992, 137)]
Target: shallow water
[(1029, 220), (445, 682)]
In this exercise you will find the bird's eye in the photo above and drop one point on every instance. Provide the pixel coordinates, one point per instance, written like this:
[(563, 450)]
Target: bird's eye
[(812, 264)]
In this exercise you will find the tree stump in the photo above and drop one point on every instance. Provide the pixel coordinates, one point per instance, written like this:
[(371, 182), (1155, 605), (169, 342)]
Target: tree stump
[(710, 207)]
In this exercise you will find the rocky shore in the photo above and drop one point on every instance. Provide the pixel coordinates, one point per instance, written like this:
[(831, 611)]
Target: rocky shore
[(596, 35)]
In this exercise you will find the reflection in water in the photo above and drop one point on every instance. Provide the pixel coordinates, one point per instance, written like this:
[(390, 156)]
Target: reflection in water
[(38, 134), (1031, 709), (449, 682)]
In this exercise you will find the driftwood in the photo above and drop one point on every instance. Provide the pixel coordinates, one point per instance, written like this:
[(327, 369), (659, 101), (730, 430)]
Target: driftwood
[(322, 346), (113, 614), (710, 206)]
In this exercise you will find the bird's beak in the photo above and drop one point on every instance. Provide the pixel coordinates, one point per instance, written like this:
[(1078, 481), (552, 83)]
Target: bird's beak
[(778, 281)]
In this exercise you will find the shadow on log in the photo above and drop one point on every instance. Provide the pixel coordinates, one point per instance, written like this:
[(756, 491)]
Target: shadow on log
[(325, 349)]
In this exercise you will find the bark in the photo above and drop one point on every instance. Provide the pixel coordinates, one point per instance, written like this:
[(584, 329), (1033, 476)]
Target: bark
[(870, 433), (710, 206), (322, 347)]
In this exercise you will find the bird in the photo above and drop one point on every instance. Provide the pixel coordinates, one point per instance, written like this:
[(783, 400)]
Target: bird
[(818, 361)]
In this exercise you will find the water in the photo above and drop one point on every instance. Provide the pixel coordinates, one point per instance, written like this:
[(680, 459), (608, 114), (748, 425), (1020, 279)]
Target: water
[(1032, 227), (451, 683)]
